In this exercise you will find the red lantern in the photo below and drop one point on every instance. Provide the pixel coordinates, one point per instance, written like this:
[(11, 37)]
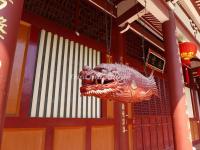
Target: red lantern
[(186, 62), (187, 50)]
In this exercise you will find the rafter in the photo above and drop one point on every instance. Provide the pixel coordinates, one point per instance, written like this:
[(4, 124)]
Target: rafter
[(105, 6)]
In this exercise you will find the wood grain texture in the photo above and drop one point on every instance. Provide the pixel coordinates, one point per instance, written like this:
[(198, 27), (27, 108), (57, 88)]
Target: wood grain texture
[(14, 93), (130, 136), (23, 139), (70, 138), (110, 109), (102, 138)]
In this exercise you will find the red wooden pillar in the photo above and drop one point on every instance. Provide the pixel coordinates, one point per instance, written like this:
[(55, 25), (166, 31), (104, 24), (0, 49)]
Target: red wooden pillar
[(121, 128), (182, 137), (10, 13)]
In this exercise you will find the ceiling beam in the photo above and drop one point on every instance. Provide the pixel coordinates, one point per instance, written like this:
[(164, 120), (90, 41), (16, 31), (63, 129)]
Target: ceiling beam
[(143, 32), (130, 15), (157, 8), (105, 6)]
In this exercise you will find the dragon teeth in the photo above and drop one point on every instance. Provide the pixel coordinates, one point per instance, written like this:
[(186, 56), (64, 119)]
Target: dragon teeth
[(92, 78), (102, 81)]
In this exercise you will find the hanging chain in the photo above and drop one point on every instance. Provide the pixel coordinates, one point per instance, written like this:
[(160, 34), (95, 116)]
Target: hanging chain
[(143, 39), (108, 34)]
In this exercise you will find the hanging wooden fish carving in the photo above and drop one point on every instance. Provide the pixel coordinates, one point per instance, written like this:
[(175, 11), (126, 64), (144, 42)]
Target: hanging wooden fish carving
[(117, 82)]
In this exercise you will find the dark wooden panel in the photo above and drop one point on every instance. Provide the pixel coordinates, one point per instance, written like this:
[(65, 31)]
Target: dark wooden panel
[(153, 133), (146, 133), (160, 133), (165, 132)]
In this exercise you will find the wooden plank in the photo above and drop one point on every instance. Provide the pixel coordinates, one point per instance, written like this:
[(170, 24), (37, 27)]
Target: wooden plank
[(110, 109), (146, 133), (23, 139), (15, 90), (160, 133), (102, 138), (153, 133), (130, 136), (70, 138)]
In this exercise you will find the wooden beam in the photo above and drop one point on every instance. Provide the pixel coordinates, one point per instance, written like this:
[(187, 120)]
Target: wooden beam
[(142, 31), (124, 18), (105, 6)]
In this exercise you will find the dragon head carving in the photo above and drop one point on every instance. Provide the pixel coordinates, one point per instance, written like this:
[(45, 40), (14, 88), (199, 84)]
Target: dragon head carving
[(117, 82)]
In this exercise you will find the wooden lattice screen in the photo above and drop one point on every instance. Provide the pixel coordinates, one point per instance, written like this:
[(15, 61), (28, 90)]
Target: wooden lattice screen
[(78, 16)]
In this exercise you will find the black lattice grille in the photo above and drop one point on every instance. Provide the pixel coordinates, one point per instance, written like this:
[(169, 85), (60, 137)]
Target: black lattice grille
[(73, 14), (156, 106), (134, 46)]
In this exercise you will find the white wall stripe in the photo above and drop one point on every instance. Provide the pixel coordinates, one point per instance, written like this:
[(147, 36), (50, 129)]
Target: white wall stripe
[(69, 79), (89, 97), (94, 98), (98, 100), (64, 78), (55, 110), (84, 97), (45, 70), (51, 78), (79, 94), (37, 74), (74, 77), (56, 85)]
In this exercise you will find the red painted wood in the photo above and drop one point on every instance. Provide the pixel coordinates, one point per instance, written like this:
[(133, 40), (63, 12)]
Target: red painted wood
[(49, 138), (178, 102), (29, 74), (130, 13), (153, 133), (7, 50), (12, 122), (146, 133), (170, 131), (43, 23), (104, 6), (165, 132), (88, 137), (160, 133)]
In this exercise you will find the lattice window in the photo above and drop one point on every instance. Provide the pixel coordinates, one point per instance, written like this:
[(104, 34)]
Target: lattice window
[(74, 15), (155, 106), (134, 46), (56, 84)]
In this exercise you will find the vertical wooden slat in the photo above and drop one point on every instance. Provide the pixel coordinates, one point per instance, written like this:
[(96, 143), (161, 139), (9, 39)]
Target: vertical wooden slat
[(74, 77), (79, 96), (57, 93), (69, 80), (84, 98), (94, 98), (130, 137), (56, 100), (64, 78), (89, 97), (37, 74), (98, 104), (44, 81)]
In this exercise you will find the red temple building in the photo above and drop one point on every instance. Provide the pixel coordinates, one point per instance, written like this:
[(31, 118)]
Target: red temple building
[(44, 44)]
